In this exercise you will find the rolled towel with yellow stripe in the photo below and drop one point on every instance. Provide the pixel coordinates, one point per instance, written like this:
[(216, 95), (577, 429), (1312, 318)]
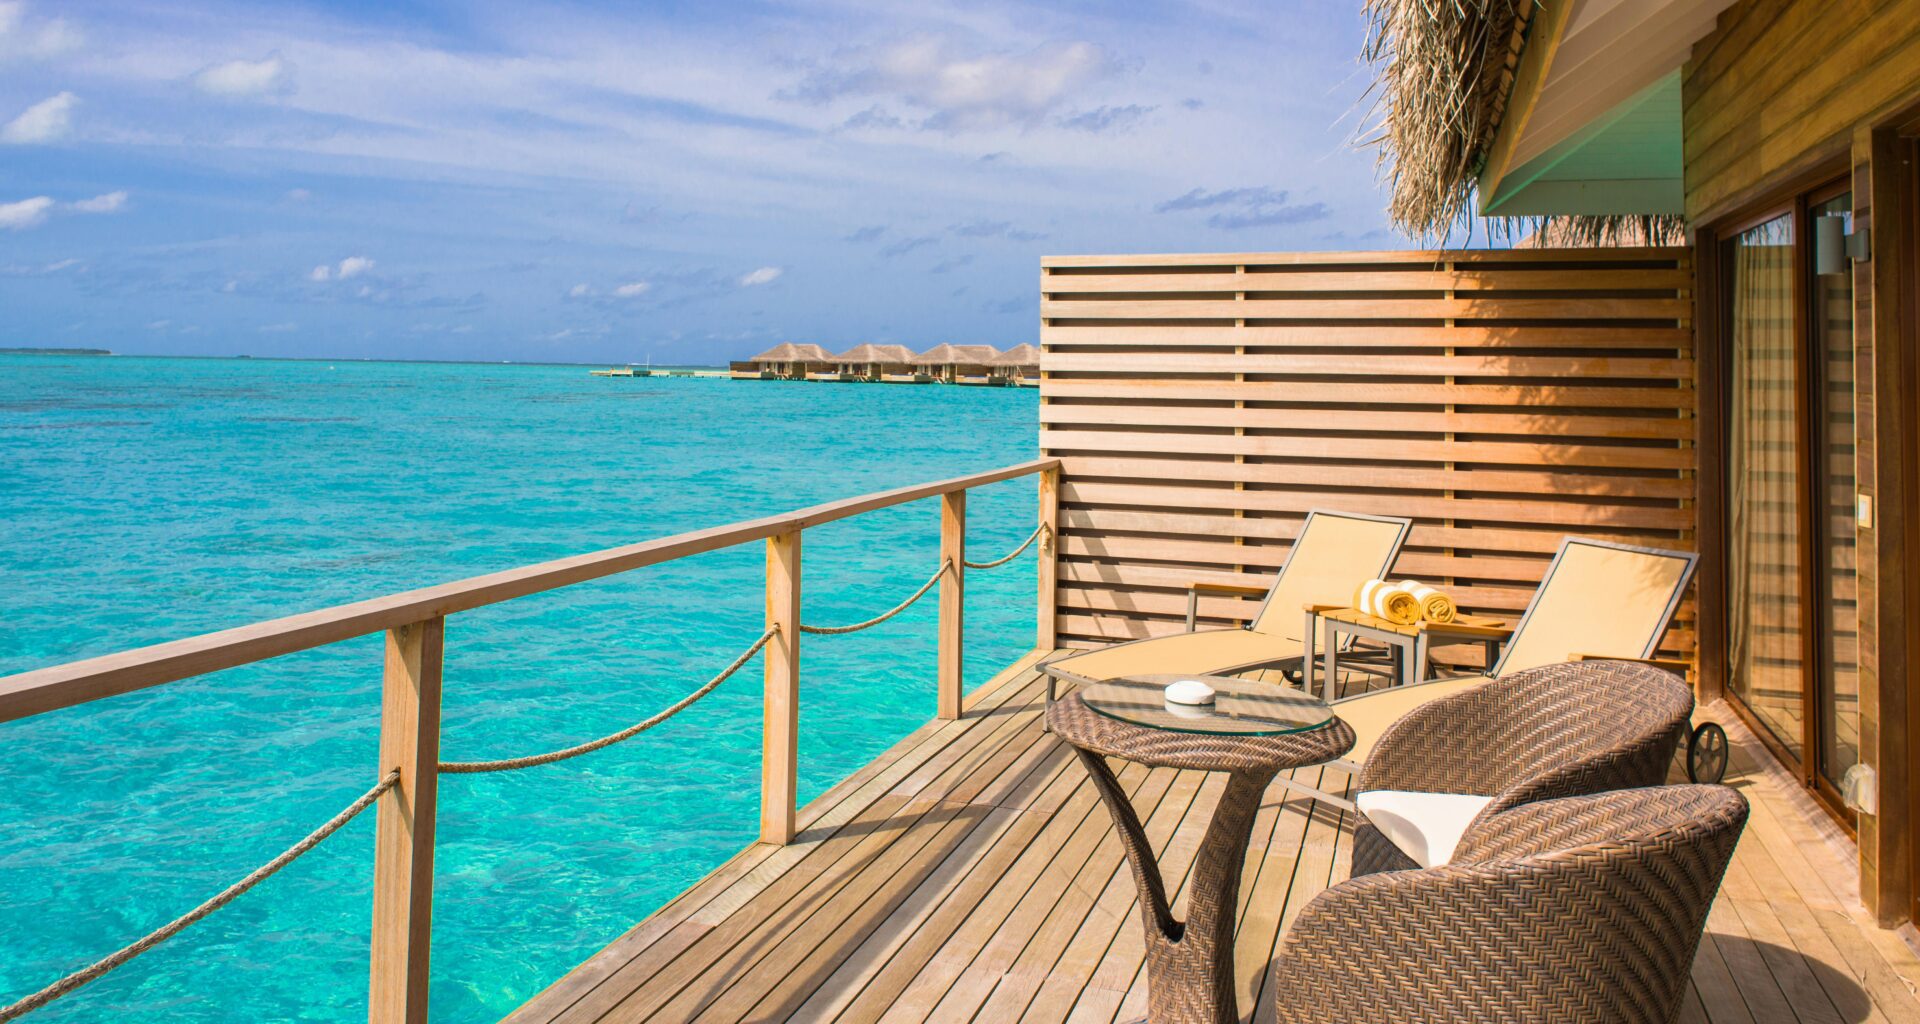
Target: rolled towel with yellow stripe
[(1389, 601), (1435, 605)]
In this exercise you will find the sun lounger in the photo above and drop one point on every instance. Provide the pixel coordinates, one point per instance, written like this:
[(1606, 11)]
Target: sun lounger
[(1598, 600), (1335, 553)]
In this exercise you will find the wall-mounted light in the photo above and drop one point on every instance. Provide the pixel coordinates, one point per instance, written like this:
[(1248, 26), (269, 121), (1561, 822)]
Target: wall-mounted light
[(1834, 245)]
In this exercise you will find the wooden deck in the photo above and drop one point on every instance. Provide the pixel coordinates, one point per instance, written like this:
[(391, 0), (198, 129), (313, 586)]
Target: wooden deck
[(970, 873)]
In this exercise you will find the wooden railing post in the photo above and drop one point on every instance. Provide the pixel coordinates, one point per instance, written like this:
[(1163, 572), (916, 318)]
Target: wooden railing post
[(780, 736), (1047, 607), (403, 841), (953, 612)]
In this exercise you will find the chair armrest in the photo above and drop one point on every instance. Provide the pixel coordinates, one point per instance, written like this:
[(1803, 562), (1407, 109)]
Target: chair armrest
[(1471, 629), (1229, 588), (1674, 665), (1193, 597)]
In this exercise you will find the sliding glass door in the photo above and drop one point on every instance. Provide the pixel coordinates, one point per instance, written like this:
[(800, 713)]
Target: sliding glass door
[(1791, 615)]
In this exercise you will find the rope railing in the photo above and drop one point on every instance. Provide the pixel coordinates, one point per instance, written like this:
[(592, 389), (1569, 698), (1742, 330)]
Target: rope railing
[(92, 972), (883, 616), (924, 587), (1011, 555), (533, 760)]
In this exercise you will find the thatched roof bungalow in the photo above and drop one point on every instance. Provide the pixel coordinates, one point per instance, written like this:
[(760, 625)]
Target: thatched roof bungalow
[(951, 362), (789, 360), (871, 362)]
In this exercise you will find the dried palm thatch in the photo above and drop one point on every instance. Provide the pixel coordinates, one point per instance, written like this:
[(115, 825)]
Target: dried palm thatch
[(1444, 71), (1590, 232)]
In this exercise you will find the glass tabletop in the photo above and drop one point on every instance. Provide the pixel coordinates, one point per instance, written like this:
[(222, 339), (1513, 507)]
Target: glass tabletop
[(1240, 707)]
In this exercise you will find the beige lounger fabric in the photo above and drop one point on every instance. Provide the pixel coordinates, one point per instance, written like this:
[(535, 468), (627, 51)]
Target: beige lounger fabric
[(1213, 650), (1596, 600), (1602, 601), (1334, 555)]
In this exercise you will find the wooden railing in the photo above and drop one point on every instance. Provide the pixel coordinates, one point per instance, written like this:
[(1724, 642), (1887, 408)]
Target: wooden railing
[(415, 627)]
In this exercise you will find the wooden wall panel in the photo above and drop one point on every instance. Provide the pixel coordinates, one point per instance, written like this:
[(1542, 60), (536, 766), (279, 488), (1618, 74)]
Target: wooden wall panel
[(1202, 404), (1780, 86)]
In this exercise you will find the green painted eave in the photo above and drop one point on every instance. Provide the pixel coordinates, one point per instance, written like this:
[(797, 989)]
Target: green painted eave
[(1629, 160)]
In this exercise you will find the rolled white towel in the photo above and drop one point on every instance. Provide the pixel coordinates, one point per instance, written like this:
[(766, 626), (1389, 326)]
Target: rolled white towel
[(1389, 601), (1435, 605)]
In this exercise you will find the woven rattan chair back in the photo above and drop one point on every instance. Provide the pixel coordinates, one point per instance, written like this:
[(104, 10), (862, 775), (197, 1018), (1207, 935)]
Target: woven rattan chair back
[(1540, 734)]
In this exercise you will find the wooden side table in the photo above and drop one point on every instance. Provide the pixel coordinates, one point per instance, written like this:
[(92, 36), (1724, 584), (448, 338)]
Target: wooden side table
[(1411, 645)]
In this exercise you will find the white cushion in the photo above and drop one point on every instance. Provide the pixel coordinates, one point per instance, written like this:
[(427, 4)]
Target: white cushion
[(1425, 826)]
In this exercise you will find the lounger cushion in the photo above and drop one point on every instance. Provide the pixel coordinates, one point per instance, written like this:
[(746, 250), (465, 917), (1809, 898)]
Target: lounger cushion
[(1425, 826), (1210, 650), (1371, 713)]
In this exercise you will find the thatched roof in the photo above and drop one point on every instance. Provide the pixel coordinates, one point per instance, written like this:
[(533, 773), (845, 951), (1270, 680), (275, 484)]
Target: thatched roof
[(1445, 69), (871, 353), (943, 354), (1019, 355), (1590, 232), (1445, 72), (792, 353)]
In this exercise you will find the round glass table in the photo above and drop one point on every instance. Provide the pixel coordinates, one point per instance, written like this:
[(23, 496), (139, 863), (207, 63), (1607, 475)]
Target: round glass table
[(1252, 731), (1240, 707)]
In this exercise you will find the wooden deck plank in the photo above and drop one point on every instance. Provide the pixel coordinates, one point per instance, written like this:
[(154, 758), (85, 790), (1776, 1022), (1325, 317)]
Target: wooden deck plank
[(971, 874), (874, 842)]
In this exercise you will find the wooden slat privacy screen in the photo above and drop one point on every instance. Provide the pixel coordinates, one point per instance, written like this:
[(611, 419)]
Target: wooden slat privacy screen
[(1202, 404)]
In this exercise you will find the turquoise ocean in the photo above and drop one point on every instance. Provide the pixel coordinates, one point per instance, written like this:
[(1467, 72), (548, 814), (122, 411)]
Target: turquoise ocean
[(148, 499)]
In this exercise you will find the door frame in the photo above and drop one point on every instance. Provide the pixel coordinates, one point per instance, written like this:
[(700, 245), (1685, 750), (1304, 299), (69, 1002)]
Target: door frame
[(1792, 198)]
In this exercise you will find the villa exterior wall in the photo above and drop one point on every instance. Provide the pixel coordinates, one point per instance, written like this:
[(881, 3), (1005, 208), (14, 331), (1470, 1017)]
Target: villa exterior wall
[(1784, 94), (1201, 405), (1780, 87)]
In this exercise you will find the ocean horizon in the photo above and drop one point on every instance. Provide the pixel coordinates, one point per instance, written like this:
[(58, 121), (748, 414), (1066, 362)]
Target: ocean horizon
[(154, 498)]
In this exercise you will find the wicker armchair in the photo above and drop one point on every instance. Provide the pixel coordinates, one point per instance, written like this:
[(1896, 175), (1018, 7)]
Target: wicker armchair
[(1555, 731), (1583, 909)]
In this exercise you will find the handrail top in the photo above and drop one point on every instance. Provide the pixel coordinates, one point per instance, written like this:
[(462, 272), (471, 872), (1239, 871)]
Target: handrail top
[(60, 686)]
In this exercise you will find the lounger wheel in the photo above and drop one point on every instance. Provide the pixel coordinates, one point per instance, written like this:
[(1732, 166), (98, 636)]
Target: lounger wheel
[(1707, 753)]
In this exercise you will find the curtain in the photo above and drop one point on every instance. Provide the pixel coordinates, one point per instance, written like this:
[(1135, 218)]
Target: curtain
[(1764, 612)]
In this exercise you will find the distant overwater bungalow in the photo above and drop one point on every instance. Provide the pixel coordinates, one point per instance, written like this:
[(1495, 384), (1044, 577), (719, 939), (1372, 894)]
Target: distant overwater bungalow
[(896, 364)]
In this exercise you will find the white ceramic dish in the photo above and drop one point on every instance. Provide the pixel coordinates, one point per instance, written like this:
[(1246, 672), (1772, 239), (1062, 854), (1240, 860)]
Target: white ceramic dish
[(1191, 692)]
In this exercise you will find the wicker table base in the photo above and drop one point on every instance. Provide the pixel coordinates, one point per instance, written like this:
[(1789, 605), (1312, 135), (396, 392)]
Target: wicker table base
[(1190, 963)]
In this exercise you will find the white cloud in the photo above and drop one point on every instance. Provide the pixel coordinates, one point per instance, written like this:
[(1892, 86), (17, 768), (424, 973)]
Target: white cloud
[(352, 266), (27, 213), (964, 90), (628, 291), (111, 202), (24, 37), (299, 195), (240, 78), (579, 291), (45, 121), (764, 275)]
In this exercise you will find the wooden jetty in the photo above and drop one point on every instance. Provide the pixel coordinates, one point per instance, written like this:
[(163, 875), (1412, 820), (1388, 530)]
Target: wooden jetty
[(970, 874)]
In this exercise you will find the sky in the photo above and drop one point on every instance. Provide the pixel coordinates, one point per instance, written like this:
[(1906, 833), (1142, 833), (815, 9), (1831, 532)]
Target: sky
[(676, 181)]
